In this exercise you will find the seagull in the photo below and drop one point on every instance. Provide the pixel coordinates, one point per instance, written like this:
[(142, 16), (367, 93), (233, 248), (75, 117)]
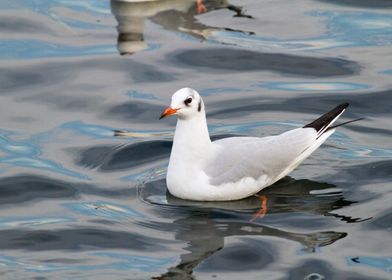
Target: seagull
[(236, 167)]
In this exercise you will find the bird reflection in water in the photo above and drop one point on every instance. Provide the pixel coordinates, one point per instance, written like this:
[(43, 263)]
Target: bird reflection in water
[(176, 15), (203, 226)]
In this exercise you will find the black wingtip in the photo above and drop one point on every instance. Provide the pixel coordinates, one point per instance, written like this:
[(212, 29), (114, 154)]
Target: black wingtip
[(343, 105), (322, 123), (339, 108)]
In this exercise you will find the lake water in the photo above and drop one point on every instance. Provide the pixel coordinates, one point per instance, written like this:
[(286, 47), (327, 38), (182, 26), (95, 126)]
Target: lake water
[(78, 203)]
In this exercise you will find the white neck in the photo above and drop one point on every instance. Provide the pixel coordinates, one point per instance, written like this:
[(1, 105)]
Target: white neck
[(191, 139)]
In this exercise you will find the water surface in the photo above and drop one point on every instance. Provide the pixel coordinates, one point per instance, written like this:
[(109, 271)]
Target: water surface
[(78, 203)]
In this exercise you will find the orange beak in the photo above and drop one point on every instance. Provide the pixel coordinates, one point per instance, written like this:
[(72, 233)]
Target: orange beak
[(168, 111)]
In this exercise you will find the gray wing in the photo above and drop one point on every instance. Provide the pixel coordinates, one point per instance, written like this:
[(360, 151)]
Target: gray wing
[(240, 157)]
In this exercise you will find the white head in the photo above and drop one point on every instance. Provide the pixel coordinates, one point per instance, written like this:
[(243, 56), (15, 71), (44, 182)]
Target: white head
[(186, 103)]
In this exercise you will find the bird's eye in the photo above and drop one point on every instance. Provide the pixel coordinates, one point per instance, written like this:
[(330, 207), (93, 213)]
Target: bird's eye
[(188, 101)]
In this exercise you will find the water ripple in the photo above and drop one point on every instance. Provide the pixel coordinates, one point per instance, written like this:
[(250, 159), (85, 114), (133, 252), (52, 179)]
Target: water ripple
[(345, 29), (225, 59), (103, 261), (18, 222), (127, 156), (314, 86), (104, 209), (77, 239), (25, 154), (384, 264), (33, 49)]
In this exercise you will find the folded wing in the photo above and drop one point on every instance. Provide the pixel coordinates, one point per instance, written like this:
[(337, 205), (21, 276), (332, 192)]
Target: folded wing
[(273, 157), (241, 157)]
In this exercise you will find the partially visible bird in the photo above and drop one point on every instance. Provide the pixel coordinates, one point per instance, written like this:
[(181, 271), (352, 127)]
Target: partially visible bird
[(236, 167)]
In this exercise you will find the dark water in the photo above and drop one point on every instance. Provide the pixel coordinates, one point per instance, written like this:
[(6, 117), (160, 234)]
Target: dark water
[(78, 203)]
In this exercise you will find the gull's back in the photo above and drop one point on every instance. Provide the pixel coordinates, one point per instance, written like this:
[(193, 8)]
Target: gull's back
[(240, 157)]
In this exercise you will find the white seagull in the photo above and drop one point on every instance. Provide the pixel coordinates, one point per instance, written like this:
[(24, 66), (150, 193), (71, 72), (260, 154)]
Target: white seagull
[(236, 167)]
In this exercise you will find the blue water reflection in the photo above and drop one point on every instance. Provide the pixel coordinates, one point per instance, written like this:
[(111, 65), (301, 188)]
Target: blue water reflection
[(220, 90), (28, 154), (141, 95), (34, 221), (116, 261), (48, 6), (79, 202), (104, 209), (92, 130), (313, 86), (32, 49), (389, 72), (374, 262), (142, 263), (102, 132)]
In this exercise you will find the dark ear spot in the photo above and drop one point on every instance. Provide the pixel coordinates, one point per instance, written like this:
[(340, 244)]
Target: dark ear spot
[(199, 107)]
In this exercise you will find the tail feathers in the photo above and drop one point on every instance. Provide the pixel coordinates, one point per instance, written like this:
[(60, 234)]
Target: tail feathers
[(323, 123), (335, 126)]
